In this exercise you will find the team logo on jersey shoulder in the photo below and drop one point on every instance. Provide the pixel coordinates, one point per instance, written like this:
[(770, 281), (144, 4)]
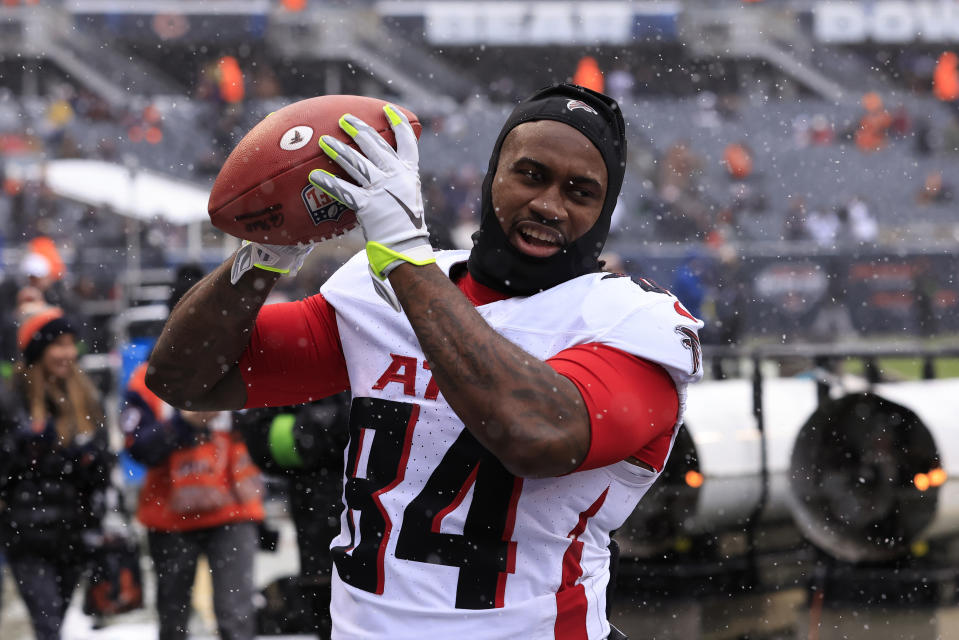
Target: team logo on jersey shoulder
[(690, 341), (321, 207), (573, 105)]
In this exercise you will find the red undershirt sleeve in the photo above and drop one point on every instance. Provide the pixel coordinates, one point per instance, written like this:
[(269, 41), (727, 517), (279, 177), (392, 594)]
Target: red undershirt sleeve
[(632, 404), (294, 355)]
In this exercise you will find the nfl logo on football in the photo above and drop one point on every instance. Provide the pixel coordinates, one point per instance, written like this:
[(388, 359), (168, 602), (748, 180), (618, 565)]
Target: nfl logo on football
[(322, 207)]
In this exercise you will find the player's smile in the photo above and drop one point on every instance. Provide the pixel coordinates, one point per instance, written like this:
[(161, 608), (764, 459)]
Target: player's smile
[(549, 188), (536, 239)]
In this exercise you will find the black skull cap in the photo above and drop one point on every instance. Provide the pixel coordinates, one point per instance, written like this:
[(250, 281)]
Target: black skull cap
[(494, 262)]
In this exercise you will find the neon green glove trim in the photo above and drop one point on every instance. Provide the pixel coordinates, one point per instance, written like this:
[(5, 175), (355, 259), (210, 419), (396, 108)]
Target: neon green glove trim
[(346, 126), (394, 117), (381, 256), (273, 269), (282, 442), (328, 150)]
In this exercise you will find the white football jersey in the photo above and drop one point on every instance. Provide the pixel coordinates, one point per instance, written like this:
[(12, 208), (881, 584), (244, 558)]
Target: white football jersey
[(438, 539)]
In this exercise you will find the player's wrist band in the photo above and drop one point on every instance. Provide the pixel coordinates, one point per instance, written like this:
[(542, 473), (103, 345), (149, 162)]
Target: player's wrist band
[(269, 268), (383, 259)]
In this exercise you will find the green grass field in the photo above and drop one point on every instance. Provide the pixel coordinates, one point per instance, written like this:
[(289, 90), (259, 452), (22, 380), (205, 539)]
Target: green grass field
[(892, 367), (905, 368)]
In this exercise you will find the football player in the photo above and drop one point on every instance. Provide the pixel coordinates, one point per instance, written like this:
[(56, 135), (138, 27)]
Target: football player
[(511, 404)]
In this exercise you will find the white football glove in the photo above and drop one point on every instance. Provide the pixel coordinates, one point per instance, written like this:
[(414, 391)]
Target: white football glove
[(388, 202), (278, 258)]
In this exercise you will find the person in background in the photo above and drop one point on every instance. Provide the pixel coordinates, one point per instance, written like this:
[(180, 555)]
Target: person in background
[(54, 471), (861, 225), (612, 262), (305, 444), (794, 222), (621, 83), (730, 300), (873, 132), (688, 284), (823, 226), (43, 267), (9, 351), (934, 190), (10, 420), (44, 278), (738, 161), (925, 291), (202, 494)]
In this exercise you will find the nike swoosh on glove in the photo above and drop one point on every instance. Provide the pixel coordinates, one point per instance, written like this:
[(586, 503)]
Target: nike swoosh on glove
[(388, 201)]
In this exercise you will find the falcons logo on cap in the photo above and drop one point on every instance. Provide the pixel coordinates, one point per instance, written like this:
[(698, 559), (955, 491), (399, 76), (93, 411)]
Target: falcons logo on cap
[(572, 105)]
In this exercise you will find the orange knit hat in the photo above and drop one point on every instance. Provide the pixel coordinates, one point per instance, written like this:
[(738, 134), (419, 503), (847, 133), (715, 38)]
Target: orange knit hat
[(37, 331)]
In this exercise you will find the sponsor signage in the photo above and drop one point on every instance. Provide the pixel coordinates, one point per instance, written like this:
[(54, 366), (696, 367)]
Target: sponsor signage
[(171, 20), (179, 27), (538, 23), (888, 22)]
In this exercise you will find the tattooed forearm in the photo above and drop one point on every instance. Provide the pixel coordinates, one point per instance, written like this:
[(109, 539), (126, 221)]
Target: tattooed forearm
[(437, 326), (533, 419)]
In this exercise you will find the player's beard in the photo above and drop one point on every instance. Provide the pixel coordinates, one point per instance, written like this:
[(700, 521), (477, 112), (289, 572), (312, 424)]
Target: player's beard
[(494, 261)]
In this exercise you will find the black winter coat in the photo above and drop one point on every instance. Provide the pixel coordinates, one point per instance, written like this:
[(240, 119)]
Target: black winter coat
[(52, 498)]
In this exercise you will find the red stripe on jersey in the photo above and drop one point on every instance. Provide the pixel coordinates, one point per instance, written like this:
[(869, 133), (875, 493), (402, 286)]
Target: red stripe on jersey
[(571, 603), (511, 544), (438, 518), (400, 474)]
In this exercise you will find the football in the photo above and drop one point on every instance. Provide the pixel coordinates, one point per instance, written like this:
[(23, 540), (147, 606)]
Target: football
[(263, 193)]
